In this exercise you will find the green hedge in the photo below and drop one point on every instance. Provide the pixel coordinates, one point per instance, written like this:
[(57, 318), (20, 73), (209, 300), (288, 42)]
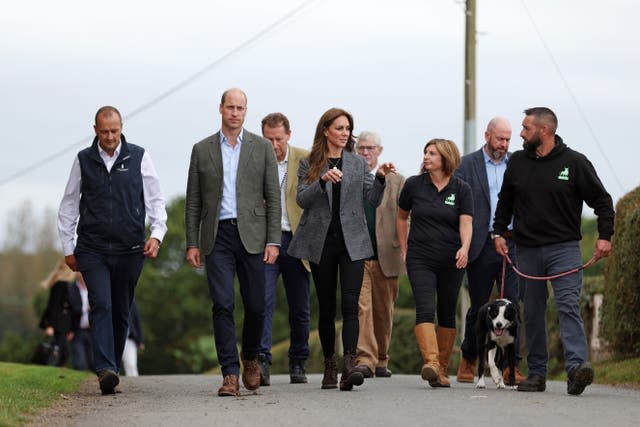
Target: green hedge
[(620, 325)]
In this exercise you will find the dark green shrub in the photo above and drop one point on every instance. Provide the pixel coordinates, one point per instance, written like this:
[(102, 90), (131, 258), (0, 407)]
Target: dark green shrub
[(620, 325)]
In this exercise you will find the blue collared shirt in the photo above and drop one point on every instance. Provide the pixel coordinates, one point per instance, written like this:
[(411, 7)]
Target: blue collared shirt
[(230, 158), (495, 175)]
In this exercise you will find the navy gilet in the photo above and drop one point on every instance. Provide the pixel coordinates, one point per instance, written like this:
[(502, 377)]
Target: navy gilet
[(112, 209)]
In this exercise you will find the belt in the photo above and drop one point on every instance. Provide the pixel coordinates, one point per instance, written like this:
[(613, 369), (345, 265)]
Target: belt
[(230, 221)]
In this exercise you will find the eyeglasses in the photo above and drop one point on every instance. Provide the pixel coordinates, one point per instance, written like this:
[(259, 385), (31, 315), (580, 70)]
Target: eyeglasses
[(367, 147)]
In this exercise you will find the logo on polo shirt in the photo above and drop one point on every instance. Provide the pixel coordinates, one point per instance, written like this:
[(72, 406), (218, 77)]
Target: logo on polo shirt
[(564, 174), (450, 200)]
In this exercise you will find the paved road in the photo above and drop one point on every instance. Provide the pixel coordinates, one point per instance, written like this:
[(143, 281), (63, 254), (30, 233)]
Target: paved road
[(403, 400)]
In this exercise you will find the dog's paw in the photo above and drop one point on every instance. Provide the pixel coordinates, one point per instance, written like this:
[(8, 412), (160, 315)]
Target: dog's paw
[(513, 387), (500, 384), (497, 379), (480, 383)]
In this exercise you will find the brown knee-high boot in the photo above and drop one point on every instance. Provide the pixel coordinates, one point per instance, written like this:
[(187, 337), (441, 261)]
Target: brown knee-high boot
[(446, 337), (428, 344)]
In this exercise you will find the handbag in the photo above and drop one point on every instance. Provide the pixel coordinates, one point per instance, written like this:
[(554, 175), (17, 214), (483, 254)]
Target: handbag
[(47, 353)]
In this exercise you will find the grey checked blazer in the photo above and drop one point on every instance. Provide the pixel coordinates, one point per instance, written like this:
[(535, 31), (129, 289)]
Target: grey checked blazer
[(357, 184)]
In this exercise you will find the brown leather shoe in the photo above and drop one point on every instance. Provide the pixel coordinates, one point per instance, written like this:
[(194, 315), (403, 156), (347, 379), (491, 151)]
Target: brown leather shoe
[(251, 374), (108, 381), (230, 386), (383, 372), (519, 376), (466, 370), (364, 370)]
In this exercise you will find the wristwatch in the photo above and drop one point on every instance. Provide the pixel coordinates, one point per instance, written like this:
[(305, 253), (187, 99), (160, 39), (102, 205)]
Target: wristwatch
[(494, 236)]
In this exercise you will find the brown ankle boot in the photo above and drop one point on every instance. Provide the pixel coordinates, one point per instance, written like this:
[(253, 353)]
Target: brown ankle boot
[(446, 337), (350, 375), (466, 370), (428, 344), (330, 378)]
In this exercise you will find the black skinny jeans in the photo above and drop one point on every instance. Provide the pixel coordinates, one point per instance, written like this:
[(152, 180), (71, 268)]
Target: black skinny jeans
[(428, 281), (335, 259)]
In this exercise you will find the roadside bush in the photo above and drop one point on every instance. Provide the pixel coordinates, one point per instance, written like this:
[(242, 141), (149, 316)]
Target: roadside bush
[(620, 325)]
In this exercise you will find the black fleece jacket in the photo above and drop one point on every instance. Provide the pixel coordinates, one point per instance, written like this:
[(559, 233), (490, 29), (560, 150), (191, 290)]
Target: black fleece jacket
[(545, 196)]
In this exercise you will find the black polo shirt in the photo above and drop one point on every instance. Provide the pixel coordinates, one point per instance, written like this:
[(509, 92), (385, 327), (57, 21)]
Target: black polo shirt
[(434, 234)]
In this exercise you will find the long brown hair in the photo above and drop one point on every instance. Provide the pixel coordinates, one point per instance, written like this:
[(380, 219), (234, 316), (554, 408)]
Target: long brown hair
[(318, 154)]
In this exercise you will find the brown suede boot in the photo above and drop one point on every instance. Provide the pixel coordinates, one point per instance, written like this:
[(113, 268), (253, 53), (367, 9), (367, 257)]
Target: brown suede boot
[(446, 337), (350, 375), (428, 344), (466, 370), (330, 378)]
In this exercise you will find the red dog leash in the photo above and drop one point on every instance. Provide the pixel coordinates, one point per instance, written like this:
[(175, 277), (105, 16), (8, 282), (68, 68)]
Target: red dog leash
[(506, 259)]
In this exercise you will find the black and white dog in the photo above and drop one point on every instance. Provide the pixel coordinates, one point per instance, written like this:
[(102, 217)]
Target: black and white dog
[(496, 329)]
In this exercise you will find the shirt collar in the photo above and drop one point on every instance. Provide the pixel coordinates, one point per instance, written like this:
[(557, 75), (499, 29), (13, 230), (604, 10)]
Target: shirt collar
[(488, 159), (225, 140), (116, 152)]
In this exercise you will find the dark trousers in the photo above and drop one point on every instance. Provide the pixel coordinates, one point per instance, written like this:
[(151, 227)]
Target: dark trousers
[(111, 281), (335, 259), (228, 257), (82, 350), (427, 281), (296, 284), (482, 273)]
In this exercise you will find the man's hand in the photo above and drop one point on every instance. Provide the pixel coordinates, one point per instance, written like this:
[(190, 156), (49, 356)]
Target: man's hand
[(151, 247), (70, 260), (603, 249), (501, 246), (193, 257), (271, 253)]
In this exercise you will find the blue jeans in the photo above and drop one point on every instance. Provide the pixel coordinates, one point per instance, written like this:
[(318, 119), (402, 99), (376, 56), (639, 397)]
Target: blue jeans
[(482, 273), (543, 261), (111, 281), (296, 284), (227, 257)]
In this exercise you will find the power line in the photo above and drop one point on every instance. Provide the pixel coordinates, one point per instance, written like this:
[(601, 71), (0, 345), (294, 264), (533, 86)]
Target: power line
[(572, 96), (179, 86)]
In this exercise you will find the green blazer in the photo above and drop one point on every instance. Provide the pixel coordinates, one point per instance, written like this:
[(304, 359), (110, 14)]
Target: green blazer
[(257, 192)]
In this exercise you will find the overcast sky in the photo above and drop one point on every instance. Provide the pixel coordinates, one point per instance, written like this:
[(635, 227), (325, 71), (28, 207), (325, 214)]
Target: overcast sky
[(398, 67)]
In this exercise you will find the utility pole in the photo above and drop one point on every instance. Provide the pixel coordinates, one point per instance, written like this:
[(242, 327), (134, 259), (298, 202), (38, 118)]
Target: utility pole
[(470, 78), (469, 112)]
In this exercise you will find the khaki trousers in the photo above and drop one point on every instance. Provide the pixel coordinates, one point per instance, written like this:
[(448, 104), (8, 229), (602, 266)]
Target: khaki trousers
[(375, 315)]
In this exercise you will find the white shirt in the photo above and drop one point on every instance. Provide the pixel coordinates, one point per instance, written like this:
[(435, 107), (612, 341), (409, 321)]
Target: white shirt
[(69, 210)]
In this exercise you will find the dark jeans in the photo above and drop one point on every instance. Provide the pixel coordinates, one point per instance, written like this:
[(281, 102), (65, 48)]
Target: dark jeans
[(111, 281), (82, 350), (335, 259), (549, 260), (296, 284), (228, 257), (482, 273), (427, 281)]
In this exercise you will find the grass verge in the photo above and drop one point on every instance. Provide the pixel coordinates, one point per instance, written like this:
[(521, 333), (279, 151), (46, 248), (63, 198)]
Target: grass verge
[(615, 372), (28, 388)]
